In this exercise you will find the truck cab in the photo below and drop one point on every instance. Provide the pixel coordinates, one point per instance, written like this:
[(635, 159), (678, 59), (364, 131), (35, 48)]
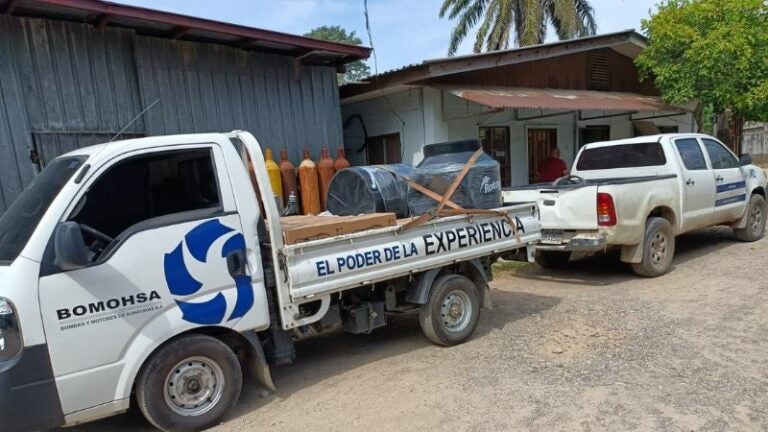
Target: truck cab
[(144, 270)]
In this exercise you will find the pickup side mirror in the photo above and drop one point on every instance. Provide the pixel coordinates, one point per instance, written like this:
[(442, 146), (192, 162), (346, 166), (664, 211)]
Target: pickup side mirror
[(69, 246), (745, 159)]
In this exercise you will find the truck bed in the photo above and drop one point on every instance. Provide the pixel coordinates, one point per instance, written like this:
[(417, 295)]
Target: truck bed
[(324, 266)]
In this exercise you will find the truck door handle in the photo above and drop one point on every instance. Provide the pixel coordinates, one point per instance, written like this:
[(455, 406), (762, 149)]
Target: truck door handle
[(236, 263), (690, 182), (719, 178)]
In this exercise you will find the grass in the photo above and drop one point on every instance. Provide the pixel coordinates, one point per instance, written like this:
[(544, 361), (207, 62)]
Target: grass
[(504, 266)]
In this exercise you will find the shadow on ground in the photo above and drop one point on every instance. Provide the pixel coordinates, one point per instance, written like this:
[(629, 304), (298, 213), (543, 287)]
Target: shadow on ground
[(607, 269), (325, 357)]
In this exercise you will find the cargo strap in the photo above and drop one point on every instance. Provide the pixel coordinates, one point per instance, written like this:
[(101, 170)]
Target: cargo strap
[(445, 200)]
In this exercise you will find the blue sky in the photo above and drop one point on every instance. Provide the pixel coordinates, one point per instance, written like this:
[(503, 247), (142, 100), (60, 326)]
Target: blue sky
[(404, 31)]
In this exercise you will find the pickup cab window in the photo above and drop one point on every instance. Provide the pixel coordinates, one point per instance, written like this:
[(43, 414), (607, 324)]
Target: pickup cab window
[(20, 220), (622, 156), (691, 154), (720, 157), (144, 188)]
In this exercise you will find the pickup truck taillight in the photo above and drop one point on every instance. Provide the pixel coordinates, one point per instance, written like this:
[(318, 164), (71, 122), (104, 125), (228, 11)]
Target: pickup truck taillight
[(606, 211)]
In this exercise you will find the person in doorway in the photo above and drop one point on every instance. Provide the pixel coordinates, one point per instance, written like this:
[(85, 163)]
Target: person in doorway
[(552, 168)]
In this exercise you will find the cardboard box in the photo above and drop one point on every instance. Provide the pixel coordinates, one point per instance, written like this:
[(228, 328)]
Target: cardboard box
[(297, 229)]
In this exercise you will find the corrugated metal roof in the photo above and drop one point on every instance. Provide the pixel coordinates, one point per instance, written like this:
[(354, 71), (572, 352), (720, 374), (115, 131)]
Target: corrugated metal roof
[(156, 23), (532, 98)]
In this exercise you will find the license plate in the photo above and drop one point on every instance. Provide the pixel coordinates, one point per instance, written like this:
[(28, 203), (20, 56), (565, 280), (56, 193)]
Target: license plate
[(552, 237)]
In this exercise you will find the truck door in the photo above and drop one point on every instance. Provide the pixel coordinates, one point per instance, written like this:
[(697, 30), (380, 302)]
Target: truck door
[(731, 187), (165, 254), (698, 184)]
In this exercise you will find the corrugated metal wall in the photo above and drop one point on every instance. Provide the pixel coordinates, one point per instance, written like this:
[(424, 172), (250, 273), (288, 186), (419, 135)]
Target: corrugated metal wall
[(204, 88), (65, 85)]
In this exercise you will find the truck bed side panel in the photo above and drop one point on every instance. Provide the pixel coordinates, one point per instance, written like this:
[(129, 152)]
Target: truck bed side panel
[(327, 266)]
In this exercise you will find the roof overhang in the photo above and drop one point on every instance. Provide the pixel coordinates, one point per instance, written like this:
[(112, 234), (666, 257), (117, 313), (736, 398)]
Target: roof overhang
[(557, 99), (628, 43), (175, 26)]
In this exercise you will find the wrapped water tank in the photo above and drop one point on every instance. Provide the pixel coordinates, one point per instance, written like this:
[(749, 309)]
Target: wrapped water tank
[(443, 162), (370, 189)]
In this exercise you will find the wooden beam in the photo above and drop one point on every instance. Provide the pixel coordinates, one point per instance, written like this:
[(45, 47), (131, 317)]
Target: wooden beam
[(102, 20), (10, 7), (179, 32), (246, 43)]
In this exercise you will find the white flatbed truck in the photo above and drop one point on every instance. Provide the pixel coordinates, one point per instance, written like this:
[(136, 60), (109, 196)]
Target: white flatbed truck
[(145, 270)]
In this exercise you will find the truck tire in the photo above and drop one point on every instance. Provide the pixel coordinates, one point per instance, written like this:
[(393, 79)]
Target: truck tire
[(658, 248), (189, 384), (552, 259), (756, 213), (452, 311)]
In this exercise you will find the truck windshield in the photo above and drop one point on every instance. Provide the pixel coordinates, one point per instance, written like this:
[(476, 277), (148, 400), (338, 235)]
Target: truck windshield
[(20, 220), (622, 156)]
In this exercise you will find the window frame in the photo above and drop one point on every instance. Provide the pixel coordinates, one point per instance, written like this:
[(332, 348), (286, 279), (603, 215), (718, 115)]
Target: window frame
[(226, 206), (704, 155), (723, 147)]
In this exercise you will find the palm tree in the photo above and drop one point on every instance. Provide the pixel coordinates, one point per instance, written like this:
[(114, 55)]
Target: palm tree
[(528, 19)]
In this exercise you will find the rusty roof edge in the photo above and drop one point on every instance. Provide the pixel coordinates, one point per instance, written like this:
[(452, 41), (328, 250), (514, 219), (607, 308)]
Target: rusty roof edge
[(349, 52)]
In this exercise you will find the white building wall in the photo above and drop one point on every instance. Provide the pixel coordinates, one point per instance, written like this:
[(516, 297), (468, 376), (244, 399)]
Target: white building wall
[(433, 116)]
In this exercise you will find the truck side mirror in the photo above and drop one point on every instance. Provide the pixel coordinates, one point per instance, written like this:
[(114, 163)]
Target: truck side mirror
[(69, 246), (745, 159)]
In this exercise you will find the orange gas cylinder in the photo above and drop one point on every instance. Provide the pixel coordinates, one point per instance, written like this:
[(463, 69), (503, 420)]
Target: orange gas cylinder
[(287, 176), (310, 190), (325, 171), (341, 161), (273, 171)]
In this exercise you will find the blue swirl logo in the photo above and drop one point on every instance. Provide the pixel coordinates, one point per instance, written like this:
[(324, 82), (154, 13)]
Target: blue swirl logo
[(181, 283)]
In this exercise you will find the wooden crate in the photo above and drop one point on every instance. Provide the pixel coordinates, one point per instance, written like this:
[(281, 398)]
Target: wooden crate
[(297, 229)]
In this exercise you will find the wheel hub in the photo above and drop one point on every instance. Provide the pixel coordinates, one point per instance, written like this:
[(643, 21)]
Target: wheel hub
[(757, 218), (658, 248), (456, 311), (194, 386)]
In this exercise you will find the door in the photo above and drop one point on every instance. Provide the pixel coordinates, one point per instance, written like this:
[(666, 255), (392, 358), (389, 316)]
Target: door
[(540, 144), (591, 134), (731, 187), (163, 237), (496, 143), (698, 198), (384, 149)]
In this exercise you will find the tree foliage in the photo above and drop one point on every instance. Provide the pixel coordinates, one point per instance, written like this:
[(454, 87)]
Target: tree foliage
[(356, 71), (714, 52), (525, 20)]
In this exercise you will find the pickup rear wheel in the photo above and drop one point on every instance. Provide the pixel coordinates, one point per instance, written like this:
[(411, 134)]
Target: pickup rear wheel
[(189, 384), (658, 248), (756, 213), (552, 259), (452, 310)]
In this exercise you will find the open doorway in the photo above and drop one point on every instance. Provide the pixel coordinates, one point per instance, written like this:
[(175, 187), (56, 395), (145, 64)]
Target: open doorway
[(540, 142), (496, 142)]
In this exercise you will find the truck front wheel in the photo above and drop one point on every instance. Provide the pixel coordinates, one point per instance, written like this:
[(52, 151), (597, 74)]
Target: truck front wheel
[(452, 311), (189, 384), (658, 248), (756, 213)]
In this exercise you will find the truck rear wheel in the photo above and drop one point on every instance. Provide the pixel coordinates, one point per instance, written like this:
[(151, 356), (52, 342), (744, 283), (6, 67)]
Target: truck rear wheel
[(756, 213), (658, 248), (189, 384), (452, 311), (552, 259)]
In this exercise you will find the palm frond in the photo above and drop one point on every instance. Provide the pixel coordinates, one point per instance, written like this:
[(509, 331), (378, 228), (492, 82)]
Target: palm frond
[(469, 17)]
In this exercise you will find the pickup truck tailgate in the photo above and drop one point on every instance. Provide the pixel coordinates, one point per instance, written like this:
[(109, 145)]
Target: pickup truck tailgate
[(572, 208)]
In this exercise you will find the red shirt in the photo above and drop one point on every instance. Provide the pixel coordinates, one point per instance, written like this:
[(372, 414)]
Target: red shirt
[(551, 169)]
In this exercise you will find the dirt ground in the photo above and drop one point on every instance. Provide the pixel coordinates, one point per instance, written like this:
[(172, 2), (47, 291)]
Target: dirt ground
[(588, 348)]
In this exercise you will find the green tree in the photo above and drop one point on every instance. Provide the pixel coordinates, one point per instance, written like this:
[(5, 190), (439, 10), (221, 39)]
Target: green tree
[(356, 71), (714, 53), (527, 20)]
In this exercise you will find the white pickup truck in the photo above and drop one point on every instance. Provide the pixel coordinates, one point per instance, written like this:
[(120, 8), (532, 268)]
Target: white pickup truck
[(639, 193), (145, 270)]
